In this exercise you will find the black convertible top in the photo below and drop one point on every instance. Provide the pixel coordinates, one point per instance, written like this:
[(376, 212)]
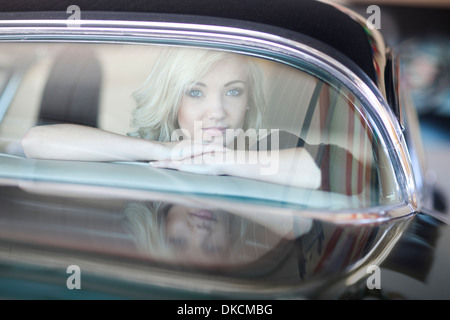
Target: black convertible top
[(310, 18)]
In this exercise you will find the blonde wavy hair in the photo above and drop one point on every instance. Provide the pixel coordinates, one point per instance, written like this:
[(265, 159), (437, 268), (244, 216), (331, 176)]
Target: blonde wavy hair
[(174, 72)]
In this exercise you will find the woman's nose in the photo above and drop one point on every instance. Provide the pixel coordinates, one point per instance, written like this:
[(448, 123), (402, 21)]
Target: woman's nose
[(216, 108)]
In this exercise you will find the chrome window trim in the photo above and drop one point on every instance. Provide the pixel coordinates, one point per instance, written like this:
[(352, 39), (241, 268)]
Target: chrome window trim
[(195, 34), (375, 39)]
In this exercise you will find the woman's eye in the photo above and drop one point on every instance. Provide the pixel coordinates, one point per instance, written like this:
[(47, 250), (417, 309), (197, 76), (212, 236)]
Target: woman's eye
[(195, 93), (210, 248), (178, 243), (234, 92)]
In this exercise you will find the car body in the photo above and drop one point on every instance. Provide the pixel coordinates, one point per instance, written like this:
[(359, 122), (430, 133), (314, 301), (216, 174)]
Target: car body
[(74, 229)]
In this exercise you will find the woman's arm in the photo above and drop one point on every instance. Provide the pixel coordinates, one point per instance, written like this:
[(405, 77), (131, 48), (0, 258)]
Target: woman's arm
[(83, 143), (76, 142), (293, 167)]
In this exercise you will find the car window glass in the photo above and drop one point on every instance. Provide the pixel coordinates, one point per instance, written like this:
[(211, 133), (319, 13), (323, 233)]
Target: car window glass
[(95, 85)]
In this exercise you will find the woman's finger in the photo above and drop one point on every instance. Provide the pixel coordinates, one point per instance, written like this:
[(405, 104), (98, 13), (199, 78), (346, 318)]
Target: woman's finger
[(189, 148)]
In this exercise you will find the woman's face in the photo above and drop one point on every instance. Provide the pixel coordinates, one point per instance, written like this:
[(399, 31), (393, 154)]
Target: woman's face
[(216, 102), (198, 236)]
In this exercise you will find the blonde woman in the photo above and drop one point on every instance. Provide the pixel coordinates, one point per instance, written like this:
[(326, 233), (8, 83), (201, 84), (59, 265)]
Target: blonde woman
[(182, 235), (205, 236), (190, 112)]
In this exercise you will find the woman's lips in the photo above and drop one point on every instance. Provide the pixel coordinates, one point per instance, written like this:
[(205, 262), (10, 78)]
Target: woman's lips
[(215, 131), (204, 215)]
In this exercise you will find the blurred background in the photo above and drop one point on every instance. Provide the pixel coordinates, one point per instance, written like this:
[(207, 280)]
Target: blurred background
[(419, 30)]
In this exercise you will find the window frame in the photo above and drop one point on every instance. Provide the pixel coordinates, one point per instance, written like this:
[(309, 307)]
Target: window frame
[(251, 42)]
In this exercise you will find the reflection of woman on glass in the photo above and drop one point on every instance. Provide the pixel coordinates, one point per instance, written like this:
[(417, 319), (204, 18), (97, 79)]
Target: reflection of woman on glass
[(203, 236), (202, 95)]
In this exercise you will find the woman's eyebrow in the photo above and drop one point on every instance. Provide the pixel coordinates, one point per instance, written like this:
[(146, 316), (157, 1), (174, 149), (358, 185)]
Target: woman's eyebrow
[(234, 82)]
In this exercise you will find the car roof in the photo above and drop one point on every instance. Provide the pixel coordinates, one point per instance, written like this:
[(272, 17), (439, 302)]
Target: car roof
[(315, 23)]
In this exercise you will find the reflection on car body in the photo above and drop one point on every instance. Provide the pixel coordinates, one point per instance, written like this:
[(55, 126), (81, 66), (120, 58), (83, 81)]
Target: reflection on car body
[(262, 247), (77, 187)]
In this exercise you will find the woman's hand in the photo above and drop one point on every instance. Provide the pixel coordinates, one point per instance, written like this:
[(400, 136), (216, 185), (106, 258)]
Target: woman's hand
[(187, 149), (293, 167), (210, 160)]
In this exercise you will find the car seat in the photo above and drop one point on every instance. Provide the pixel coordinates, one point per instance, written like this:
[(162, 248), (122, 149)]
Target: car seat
[(72, 91)]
